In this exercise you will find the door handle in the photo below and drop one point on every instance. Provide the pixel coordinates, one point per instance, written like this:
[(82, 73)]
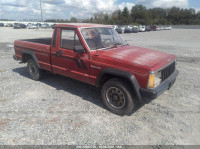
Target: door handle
[(59, 52)]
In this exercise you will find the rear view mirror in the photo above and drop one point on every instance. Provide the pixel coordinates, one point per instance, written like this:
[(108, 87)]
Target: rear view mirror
[(79, 49)]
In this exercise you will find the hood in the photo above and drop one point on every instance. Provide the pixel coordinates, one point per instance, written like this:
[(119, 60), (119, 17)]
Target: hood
[(137, 56)]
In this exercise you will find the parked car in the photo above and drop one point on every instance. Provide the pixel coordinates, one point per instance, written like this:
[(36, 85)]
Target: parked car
[(32, 26), (9, 25), (1, 25), (16, 26), (22, 25), (53, 26), (141, 28), (28, 24), (114, 26), (127, 75), (123, 28), (147, 28), (119, 30), (128, 29), (45, 26), (19, 26), (135, 29), (161, 28), (153, 28), (158, 28), (167, 28), (38, 25)]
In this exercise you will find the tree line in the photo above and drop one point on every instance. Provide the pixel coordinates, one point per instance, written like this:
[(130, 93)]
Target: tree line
[(139, 14)]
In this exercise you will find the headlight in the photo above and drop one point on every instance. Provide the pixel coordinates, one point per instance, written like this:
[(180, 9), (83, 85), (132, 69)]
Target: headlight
[(155, 79)]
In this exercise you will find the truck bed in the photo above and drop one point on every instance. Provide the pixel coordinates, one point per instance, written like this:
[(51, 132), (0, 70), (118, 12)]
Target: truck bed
[(39, 47), (46, 41)]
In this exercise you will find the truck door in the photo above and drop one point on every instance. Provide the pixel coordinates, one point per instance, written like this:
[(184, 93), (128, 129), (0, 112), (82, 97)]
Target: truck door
[(65, 61)]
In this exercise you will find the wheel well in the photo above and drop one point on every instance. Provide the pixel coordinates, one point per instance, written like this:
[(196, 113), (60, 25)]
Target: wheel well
[(26, 57), (107, 77)]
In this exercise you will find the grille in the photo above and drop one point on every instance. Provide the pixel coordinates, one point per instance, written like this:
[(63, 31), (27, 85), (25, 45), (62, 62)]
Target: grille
[(166, 72)]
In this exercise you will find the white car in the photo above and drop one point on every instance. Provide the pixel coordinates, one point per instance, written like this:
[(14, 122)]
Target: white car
[(45, 26), (114, 26), (32, 26), (158, 28), (167, 28), (142, 28), (162, 28), (123, 28)]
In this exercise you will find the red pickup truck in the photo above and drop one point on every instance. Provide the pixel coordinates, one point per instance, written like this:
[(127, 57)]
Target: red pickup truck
[(97, 55)]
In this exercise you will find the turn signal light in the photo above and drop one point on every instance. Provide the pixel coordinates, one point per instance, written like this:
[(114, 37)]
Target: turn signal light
[(151, 81)]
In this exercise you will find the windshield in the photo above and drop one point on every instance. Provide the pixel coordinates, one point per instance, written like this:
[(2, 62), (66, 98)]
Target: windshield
[(102, 38)]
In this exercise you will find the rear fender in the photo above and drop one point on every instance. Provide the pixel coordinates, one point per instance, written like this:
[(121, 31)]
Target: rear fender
[(32, 55)]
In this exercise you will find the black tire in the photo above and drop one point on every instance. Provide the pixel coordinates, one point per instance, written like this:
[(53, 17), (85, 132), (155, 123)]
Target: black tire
[(34, 72), (117, 97)]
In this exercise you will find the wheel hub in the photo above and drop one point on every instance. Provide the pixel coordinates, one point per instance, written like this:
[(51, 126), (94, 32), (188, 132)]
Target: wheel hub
[(115, 97)]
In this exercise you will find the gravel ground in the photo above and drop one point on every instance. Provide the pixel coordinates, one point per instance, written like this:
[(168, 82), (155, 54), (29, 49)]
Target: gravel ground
[(59, 110)]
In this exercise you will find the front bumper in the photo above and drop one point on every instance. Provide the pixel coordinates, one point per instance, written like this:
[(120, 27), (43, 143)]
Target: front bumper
[(166, 85)]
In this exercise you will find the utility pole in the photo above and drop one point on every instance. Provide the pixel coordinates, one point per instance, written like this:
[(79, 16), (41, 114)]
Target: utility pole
[(41, 9), (1, 14), (93, 7)]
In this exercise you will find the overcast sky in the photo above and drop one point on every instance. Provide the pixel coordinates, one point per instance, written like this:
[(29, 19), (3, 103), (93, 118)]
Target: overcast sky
[(65, 9)]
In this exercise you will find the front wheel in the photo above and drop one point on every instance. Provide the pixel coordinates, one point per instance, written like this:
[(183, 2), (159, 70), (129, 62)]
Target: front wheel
[(117, 96), (33, 70)]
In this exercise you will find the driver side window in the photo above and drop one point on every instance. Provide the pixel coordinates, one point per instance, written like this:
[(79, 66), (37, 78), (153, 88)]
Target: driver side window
[(69, 39)]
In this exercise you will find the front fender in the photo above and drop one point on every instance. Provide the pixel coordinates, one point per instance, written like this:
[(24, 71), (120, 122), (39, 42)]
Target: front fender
[(122, 74)]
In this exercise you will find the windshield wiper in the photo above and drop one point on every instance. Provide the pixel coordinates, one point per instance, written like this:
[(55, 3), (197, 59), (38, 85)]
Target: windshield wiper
[(106, 48), (115, 46), (122, 45)]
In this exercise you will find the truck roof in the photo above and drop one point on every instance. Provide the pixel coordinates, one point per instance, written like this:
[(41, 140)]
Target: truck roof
[(81, 25)]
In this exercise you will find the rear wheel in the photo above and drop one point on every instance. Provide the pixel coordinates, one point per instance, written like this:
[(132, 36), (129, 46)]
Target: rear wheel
[(117, 96), (33, 70)]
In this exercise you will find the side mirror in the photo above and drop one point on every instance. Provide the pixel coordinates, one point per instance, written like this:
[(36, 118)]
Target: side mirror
[(79, 49)]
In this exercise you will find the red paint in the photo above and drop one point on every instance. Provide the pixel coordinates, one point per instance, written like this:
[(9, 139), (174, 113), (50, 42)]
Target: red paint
[(136, 60), (153, 28)]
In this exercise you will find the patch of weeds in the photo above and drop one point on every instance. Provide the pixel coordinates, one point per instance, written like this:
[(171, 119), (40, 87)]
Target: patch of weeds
[(3, 100), (2, 71), (4, 78)]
